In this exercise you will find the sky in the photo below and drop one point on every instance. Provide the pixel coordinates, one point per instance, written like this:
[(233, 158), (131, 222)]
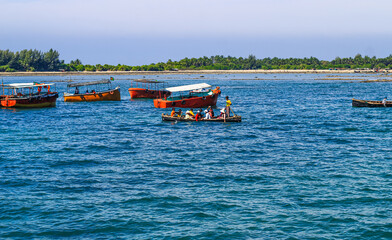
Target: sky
[(137, 32)]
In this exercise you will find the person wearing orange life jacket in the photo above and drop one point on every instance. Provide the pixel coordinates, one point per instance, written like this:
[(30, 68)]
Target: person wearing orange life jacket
[(173, 112), (217, 91)]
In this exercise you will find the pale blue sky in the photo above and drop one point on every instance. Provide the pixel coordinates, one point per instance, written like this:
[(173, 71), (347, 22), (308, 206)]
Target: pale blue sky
[(142, 32)]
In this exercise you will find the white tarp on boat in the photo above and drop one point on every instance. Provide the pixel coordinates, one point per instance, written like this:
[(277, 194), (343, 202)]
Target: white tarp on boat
[(188, 87), (25, 85)]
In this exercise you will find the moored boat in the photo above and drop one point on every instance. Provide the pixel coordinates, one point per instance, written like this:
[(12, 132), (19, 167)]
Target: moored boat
[(145, 88), (196, 97), (370, 103), (28, 95), (166, 117), (95, 91)]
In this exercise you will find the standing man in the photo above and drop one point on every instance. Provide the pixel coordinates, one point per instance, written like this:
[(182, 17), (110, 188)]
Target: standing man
[(228, 104)]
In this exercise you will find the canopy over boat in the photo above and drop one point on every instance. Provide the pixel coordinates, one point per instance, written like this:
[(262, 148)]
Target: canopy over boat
[(25, 85), (188, 87), (88, 83), (147, 81)]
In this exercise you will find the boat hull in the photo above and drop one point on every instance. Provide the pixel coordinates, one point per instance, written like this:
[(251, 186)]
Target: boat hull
[(145, 93), (192, 102), (182, 119), (371, 104), (111, 95), (36, 101)]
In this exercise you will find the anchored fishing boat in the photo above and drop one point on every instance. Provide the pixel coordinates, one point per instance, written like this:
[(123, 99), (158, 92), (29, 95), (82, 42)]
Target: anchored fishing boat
[(144, 88), (166, 117), (28, 95), (92, 91), (190, 96), (370, 103)]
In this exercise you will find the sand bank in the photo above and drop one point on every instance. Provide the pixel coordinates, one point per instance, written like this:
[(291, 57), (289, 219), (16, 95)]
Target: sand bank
[(200, 72)]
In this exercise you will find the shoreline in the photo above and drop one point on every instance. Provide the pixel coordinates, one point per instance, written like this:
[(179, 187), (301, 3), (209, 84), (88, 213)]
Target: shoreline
[(260, 71)]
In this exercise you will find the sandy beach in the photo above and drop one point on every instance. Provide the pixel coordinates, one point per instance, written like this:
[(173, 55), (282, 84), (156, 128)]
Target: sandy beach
[(201, 72)]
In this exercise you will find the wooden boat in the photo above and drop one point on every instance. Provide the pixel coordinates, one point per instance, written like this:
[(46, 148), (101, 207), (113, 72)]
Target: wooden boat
[(193, 99), (144, 88), (99, 91), (28, 95), (370, 103), (166, 117)]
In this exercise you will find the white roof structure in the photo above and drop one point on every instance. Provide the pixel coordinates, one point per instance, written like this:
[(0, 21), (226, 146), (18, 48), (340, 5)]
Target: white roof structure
[(25, 85), (188, 87)]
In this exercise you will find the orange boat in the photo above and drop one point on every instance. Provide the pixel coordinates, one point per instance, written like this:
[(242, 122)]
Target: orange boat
[(197, 97), (99, 91), (148, 89), (28, 95)]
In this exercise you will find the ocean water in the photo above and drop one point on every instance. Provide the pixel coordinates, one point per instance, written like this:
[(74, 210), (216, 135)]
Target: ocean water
[(303, 164)]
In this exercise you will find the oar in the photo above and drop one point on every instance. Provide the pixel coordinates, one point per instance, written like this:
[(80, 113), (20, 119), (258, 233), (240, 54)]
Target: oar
[(233, 112)]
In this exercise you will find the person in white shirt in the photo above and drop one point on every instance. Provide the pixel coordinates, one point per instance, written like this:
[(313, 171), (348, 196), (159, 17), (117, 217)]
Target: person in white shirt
[(208, 115), (384, 102)]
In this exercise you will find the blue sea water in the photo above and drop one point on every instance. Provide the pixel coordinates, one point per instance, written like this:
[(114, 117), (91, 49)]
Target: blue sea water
[(303, 164)]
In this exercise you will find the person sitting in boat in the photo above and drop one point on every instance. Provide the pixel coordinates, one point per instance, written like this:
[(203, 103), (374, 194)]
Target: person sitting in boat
[(211, 111), (217, 91), (201, 112), (87, 91), (173, 112), (198, 116), (189, 114), (384, 102), (93, 91), (179, 114), (208, 114), (76, 90), (222, 113)]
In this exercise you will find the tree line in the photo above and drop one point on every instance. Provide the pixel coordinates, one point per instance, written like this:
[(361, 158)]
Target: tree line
[(30, 60), (34, 60)]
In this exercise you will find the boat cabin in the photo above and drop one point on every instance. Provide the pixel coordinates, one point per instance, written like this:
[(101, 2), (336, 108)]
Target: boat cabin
[(19, 90), (92, 91), (146, 88), (28, 95), (190, 96), (88, 87)]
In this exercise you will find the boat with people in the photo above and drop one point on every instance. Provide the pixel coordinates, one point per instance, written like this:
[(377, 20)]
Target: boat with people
[(167, 117), (101, 90), (146, 88), (190, 96), (28, 95), (207, 115), (371, 103)]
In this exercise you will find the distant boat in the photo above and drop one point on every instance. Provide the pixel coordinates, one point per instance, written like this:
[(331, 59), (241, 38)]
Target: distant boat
[(95, 91), (370, 103), (148, 89), (195, 97), (28, 95), (166, 117)]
